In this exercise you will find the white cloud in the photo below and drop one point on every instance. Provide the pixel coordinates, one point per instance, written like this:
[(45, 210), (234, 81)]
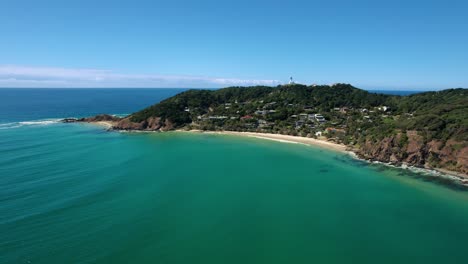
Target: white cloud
[(23, 76)]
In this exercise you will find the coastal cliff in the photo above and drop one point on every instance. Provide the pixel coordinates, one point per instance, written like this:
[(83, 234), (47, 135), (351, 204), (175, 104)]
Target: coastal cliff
[(449, 155), (149, 124)]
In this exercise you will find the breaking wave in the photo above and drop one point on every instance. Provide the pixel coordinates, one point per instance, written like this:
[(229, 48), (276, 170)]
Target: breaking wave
[(42, 122)]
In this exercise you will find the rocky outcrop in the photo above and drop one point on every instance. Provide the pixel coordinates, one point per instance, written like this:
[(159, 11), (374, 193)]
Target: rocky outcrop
[(117, 123), (100, 118), (452, 155), (97, 118), (150, 124), (410, 148)]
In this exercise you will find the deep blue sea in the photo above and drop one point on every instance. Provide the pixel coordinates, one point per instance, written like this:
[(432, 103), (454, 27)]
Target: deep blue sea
[(76, 193), (395, 92), (35, 104)]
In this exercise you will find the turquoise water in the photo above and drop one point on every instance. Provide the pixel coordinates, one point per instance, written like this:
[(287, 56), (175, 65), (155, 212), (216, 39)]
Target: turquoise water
[(74, 193)]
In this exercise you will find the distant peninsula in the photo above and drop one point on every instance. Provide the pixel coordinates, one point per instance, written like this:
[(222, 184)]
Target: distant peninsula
[(428, 129)]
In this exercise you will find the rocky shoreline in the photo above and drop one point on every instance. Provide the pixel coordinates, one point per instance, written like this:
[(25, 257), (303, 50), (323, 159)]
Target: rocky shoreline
[(427, 171), (125, 123)]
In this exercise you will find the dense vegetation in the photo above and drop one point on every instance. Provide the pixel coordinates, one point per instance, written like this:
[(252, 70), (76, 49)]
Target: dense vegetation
[(321, 97), (439, 115)]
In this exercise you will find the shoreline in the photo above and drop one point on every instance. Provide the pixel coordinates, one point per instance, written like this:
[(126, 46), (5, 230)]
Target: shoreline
[(430, 172), (280, 138), (274, 137), (107, 124)]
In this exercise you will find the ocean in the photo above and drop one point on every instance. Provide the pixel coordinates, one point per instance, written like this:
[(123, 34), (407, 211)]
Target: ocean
[(396, 92), (75, 193)]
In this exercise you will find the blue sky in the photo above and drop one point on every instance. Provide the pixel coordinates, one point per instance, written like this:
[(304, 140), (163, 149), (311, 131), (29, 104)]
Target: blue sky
[(413, 45)]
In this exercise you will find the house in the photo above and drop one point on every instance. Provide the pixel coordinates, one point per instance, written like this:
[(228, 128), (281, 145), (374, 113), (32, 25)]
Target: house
[(217, 117), (269, 104), (319, 118), (344, 110), (384, 108), (264, 124), (303, 117), (299, 124), (318, 133), (204, 117), (246, 117)]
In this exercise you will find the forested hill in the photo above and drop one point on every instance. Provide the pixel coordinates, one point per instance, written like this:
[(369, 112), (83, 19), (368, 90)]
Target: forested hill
[(426, 129), (429, 111), (321, 97)]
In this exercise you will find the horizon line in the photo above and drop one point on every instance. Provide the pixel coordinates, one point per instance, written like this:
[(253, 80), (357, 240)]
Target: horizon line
[(217, 88)]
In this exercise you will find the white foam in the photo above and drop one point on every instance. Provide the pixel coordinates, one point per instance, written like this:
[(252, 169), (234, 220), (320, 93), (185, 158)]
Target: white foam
[(42, 122), (6, 124), (39, 122), (8, 127)]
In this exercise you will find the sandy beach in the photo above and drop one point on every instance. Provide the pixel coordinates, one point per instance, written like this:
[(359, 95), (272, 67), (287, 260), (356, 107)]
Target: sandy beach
[(106, 124), (280, 138)]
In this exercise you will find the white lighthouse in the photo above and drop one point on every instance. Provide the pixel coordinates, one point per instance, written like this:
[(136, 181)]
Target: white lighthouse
[(291, 81)]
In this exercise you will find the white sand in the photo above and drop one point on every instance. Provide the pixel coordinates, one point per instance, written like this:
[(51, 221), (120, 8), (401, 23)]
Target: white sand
[(281, 138), (107, 124)]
